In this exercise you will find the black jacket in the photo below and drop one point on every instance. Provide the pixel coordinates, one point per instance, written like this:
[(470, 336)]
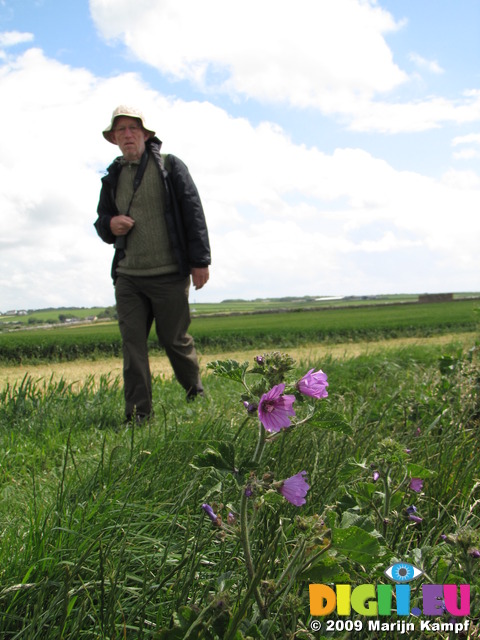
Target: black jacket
[(184, 216)]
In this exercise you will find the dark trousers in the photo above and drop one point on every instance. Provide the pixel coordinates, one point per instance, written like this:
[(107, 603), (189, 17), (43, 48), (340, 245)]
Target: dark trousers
[(140, 301)]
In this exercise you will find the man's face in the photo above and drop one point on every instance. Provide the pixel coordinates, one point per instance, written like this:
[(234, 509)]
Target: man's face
[(129, 135)]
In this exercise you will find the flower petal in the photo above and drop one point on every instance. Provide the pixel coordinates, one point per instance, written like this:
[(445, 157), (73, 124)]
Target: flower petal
[(275, 409), (416, 484), (210, 513), (294, 489), (314, 384)]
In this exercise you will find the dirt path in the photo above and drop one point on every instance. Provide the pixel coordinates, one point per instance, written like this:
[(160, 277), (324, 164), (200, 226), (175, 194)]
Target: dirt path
[(314, 354)]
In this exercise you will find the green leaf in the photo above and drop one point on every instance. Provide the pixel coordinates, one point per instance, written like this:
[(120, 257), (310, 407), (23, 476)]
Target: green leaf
[(444, 568), (352, 518), (364, 491), (331, 421), (246, 466), (357, 545), (183, 620), (229, 369), (397, 500), (186, 616), (417, 471), (171, 634), (326, 569), (222, 458)]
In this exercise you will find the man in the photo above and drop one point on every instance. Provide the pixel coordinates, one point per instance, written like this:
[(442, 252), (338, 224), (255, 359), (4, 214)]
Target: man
[(149, 207)]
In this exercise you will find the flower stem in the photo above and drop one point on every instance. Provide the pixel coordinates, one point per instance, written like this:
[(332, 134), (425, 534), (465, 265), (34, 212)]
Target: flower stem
[(244, 527), (245, 539), (260, 444), (386, 503)]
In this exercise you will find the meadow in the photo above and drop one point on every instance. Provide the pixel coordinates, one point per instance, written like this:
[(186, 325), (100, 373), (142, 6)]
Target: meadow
[(271, 330), (182, 528)]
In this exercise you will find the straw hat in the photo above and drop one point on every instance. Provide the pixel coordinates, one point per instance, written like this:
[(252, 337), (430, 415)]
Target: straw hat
[(130, 112)]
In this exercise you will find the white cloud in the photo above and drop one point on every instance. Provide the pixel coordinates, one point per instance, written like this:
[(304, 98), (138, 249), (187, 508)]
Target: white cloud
[(432, 66), (283, 218), (470, 138), (464, 180), (308, 54), (467, 154), (415, 116), (331, 55), (12, 38)]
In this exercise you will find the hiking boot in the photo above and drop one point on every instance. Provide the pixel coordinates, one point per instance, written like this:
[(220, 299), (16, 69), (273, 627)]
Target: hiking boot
[(137, 418), (195, 392)]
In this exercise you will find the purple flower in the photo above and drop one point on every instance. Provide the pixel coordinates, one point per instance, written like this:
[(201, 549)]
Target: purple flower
[(259, 359), (475, 553), (314, 384), (248, 491), (295, 489), (416, 484), (411, 514), (210, 513), (251, 407), (414, 518), (274, 409), (375, 476)]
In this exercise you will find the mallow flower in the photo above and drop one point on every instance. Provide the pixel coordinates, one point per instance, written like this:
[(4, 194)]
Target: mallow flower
[(416, 484), (295, 489), (411, 511), (251, 407), (415, 518), (210, 512), (314, 384), (275, 409)]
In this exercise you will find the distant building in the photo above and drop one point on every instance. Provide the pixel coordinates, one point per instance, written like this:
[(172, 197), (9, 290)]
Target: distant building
[(435, 297)]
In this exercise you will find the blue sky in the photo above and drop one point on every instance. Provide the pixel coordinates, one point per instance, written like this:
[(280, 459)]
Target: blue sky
[(335, 144)]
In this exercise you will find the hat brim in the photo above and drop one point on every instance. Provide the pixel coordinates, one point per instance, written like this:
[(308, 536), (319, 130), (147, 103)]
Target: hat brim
[(108, 133)]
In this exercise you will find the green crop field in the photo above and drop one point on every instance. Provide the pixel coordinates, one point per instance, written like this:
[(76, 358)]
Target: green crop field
[(352, 323), (55, 316), (203, 524), (269, 330), (49, 316)]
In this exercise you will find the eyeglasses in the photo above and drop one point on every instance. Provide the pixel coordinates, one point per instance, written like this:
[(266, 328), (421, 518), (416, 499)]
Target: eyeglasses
[(133, 128)]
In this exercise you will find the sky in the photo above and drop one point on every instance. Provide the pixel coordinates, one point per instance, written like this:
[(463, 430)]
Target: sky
[(335, 143)]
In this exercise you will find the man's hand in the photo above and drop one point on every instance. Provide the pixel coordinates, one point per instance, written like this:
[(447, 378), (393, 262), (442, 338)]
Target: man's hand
[(200, 276), (121, 225)]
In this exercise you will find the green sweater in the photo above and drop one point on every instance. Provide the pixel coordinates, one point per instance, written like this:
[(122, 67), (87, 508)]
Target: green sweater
[(148, 251)]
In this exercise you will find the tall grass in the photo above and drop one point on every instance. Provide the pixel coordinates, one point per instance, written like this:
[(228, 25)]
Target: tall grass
[(103, 534)]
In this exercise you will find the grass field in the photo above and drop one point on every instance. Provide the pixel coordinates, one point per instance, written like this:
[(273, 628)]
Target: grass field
[(76, 372), (271, 330), (102, 526), (202, 308), (226, 306)]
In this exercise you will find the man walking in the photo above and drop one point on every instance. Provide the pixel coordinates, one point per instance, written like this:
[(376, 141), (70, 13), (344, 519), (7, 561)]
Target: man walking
[(150, 209)]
